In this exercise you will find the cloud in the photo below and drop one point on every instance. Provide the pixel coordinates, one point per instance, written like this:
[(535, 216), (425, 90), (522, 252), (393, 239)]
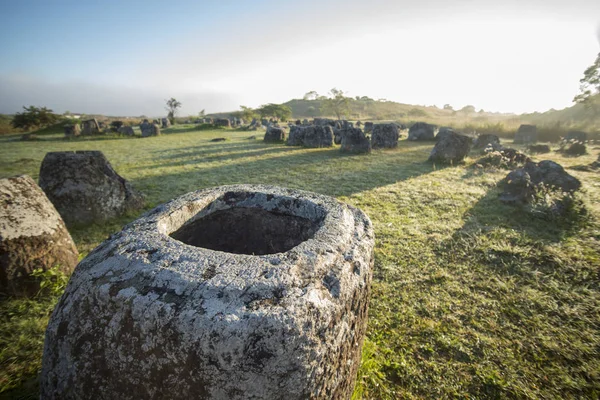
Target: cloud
[(82, 97)]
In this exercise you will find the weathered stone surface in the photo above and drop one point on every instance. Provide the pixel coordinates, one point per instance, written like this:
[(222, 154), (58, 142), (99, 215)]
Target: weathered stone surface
[(576, 136), (576, 149), (526, 134), (354, 141), (165, 123), (274, 134), (443, 132), (305, 122), (72, 130), (238, 292), (32, 236), (521, 185), (296, 137), (224, 122), (116, 125), (484, 140), (368, 127), (149, 129), (126, 130), (318, 136), (539, 148), (498, 156), (385, 136), (84, 187), (451, 148), (421, 131), (90, 127)]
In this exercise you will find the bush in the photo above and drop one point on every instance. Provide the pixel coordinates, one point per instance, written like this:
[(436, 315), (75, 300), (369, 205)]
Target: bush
[(34, 117)]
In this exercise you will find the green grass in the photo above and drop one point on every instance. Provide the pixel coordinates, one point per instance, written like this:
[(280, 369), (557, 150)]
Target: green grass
[(470, 298)]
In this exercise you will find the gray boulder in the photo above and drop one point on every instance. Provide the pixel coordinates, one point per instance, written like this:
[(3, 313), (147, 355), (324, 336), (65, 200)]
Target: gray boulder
[(274, 134), (296, 137), (451, 148), (575, 149), (90, 127), (126, 130), (521, 185), (224, 122), (526, 134), (539, 148), (72, 130), (385, 136), (354, 141), (85, 188), (149, 129), (484, 140), (368, 127), (32, 236), (318, 136), (576, 136), (421, 131), (165, 123), (443, 132), (238, 292)]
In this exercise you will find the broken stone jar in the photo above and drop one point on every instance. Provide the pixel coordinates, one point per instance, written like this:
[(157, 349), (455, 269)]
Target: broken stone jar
[(236, 292)]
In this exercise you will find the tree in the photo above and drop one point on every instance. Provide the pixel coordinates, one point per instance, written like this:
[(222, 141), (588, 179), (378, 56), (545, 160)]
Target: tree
[(468, 109), (448, 107), (248, 113), (589, 87), (278, 111), (312, 95), (172, 106), (34, 117), (337, 103), (202, 114)]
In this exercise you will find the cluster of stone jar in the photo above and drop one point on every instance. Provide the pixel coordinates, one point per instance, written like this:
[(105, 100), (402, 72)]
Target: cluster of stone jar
[(235, 292), (93, 127)]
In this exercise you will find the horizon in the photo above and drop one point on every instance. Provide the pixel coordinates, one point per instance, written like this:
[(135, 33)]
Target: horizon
[(127, 59)]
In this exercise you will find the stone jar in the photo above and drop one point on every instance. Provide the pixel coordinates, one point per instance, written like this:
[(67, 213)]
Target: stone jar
[(236, 292)]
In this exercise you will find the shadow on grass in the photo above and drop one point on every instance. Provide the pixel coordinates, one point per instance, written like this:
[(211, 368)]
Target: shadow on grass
[(489, 213), (324, 171)]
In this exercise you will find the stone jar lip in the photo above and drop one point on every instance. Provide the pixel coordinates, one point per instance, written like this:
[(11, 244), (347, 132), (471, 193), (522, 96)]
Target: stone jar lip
[(150, 233)]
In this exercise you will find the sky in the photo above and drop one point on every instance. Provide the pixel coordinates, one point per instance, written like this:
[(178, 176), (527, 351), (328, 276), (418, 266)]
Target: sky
[(125, 58)]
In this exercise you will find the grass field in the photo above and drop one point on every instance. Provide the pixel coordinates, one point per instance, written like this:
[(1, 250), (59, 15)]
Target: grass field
[(471, 298)]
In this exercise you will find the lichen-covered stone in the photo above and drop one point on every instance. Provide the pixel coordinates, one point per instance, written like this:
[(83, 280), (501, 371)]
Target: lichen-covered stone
[(385, 136), (224, 122), (520, 185), (451, 148), (316, 136), (149, 129), (72, 130), (126, 130), (296, 136), (274, 134), (238, 292), (576, 136), (85, 188), (526, 134), (539, 148), (354, 141), (421, 131), (484, 140), (32, 236), (165, 123), (90, 127)]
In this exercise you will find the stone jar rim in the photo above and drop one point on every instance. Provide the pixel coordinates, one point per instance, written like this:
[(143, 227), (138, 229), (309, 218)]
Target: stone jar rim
[(149, 236)]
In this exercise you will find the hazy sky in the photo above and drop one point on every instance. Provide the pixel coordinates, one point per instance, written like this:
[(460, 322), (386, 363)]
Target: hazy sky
[(126, 57)]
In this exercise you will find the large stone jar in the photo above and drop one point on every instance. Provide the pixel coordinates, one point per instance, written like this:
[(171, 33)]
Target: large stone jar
[(237, 292)]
